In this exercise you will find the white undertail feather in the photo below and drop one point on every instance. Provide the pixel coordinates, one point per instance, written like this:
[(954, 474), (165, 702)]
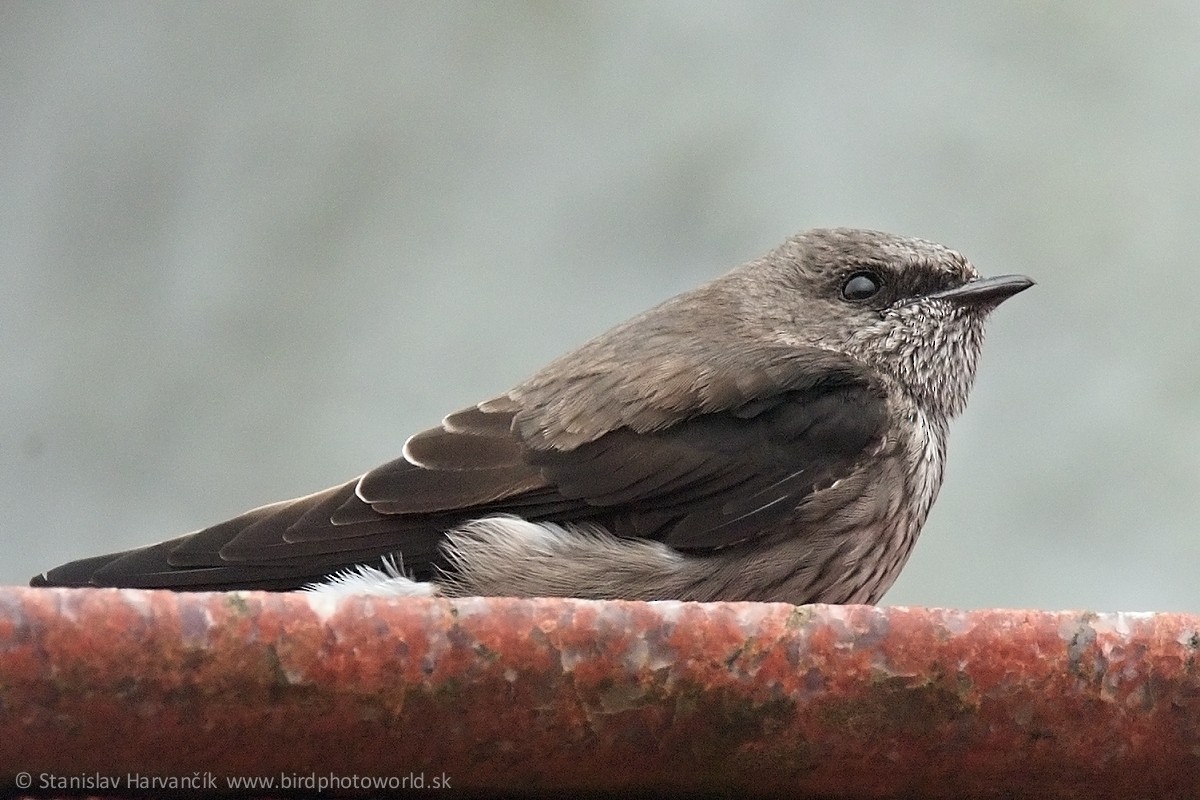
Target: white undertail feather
[(367, 580)]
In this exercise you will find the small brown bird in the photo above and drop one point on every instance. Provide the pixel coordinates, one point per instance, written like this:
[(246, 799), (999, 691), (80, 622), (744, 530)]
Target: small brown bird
[(776, 434)]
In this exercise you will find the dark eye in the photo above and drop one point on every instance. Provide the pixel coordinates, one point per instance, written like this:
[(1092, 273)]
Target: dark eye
[(861, 286)]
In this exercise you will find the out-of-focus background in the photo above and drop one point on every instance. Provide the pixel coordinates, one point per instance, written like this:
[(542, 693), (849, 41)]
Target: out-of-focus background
[(246, 249)]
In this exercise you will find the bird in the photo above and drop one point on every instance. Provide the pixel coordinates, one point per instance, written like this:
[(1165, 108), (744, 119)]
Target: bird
[(777, 434)]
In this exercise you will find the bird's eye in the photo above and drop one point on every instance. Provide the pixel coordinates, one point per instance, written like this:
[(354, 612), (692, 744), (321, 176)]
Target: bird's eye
[(861, 286)]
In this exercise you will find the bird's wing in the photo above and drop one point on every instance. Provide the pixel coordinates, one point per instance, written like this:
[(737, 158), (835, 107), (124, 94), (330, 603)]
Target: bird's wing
[(195, 561), (715, 478)]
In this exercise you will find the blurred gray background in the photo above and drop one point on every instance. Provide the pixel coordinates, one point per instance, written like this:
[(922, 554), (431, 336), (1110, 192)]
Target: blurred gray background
[(246, 249)]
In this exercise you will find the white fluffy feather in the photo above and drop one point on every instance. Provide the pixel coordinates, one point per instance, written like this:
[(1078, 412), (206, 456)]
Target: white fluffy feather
[(365, 580)]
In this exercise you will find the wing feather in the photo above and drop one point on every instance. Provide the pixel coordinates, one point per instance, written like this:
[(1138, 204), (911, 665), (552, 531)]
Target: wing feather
[(714, 478)]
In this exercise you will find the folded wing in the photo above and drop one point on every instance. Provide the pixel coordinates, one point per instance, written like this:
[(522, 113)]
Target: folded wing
[(717, 478)]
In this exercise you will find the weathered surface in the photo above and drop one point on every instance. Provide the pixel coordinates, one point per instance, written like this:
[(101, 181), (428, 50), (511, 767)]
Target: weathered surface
[(522, 696)]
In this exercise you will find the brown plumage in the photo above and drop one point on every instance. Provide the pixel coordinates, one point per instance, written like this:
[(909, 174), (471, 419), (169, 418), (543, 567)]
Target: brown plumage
[(777, 433)]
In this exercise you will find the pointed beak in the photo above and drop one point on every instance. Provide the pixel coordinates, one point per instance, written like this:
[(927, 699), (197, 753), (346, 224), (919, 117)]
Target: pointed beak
[(985, 292)]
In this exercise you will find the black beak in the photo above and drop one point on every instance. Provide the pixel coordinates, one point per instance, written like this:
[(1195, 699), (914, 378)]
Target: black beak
[(984, 291)]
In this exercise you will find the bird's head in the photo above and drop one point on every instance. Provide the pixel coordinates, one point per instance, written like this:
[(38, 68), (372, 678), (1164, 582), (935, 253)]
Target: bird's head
[(909, 308)]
